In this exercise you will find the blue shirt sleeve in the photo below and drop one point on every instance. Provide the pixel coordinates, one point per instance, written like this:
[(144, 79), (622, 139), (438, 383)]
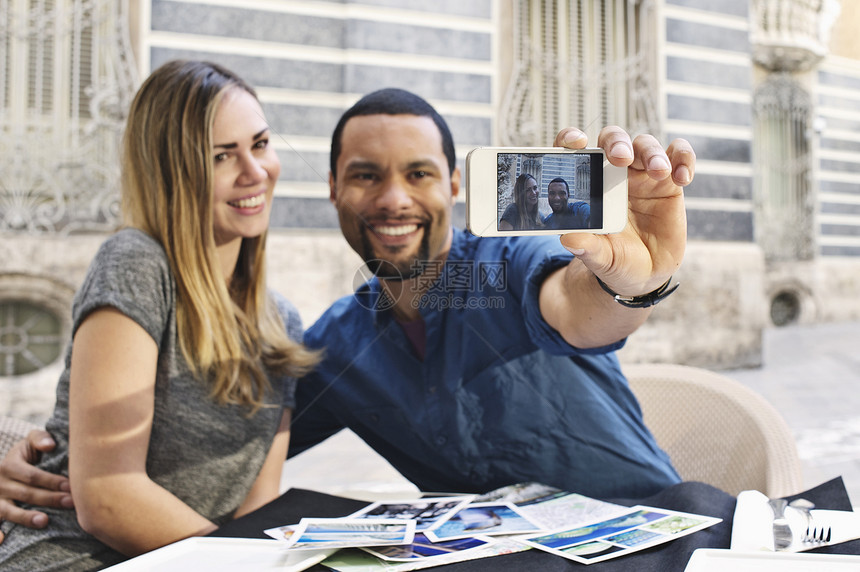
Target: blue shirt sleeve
[(312, 423), (533, 259)]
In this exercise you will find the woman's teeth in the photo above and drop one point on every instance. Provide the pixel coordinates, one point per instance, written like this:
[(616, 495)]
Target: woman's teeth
[(250, 202), (396, 230)]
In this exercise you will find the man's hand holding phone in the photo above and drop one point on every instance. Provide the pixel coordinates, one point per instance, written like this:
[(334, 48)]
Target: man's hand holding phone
[(619, 207), (606, 292), (646, 253)]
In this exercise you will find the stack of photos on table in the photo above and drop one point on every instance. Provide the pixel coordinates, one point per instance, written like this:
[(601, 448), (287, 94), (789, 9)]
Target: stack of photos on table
[(419, 533)]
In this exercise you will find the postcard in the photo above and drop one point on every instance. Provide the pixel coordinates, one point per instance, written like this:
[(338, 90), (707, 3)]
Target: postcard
[(359, 560), (422, 548), (319, 533), (281, 532), (520, 493), (551, 507), (425, 512), (641, 527), (484, 519)]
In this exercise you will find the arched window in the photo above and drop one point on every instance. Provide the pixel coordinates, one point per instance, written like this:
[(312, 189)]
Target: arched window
[(66, 78), (30, 337), (581, 63)]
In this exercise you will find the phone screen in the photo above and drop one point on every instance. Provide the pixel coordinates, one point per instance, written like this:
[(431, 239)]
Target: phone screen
[(550, 191)]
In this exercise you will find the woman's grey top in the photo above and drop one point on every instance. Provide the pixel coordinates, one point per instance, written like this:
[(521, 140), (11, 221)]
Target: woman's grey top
[(206, 454)]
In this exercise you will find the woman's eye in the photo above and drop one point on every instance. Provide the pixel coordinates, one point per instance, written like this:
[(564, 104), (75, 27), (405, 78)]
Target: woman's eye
[(220, 157), (262, 144)]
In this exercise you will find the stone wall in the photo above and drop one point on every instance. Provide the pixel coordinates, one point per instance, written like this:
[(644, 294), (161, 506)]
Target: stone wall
[(715, 318), (46, 272)]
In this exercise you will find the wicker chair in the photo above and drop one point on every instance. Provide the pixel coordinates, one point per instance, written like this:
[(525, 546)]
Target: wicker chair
[(12, 430), (716, 430)]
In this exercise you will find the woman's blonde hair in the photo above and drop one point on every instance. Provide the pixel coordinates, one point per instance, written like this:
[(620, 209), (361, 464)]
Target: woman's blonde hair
[(527, 219), (231, 334)]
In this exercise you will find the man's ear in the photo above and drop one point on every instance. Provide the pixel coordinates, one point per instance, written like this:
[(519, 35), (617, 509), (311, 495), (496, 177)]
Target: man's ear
[(455, 184), (332, 192)]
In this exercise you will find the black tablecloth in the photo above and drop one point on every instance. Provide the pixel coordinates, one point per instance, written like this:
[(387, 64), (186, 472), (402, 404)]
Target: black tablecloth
[(697, 498)]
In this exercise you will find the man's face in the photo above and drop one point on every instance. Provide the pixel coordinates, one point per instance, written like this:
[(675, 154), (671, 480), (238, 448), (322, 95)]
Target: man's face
[(393, 191), (557, 197)]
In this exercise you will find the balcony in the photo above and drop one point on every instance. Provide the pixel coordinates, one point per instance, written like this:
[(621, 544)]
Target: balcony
[(791, 35)]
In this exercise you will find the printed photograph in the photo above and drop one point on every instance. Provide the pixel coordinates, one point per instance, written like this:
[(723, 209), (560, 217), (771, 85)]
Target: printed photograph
[(598, 530), (281, 532), (675, 524), (634, 537), (641, 528), (319, 533), (425, 512), (422, 548), (483, 518)]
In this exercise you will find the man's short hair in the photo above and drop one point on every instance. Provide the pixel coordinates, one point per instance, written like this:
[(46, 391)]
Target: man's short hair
[(393, 101), (560, 180)]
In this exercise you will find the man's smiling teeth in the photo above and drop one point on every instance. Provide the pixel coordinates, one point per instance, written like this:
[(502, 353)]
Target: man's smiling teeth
[(250, 202), (396, 230)]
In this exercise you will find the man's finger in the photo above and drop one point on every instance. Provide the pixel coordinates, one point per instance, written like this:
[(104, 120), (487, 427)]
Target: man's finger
[(571, 137), (651, 157), (29, 518), (17, 469), (36, 479), (616, 142), (40, 440), (16, 491), (683, 160), (589, 248)]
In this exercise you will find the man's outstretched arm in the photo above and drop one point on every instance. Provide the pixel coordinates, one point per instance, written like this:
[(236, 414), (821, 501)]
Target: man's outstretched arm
[(634, 262)]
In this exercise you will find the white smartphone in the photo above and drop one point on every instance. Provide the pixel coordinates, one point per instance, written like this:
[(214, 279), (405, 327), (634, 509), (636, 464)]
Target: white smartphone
[(513, 191)]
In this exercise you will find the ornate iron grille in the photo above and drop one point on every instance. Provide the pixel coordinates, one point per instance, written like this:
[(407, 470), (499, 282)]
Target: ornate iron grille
[(66, 79), (581, 63)]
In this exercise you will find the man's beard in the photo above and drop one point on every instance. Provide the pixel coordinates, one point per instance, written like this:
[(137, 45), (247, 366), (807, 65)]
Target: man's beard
[(387, 270)]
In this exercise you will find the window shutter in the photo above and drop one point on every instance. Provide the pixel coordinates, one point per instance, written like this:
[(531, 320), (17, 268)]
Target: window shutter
[(579, 63)]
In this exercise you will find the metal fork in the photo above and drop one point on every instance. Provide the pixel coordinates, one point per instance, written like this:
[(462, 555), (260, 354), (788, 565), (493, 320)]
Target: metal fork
[(816, 533), (813, 533)]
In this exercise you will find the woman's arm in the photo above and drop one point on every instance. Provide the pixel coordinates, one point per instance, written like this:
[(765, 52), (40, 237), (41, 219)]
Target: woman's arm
[(111, 405), (509, 217), (267, 486)]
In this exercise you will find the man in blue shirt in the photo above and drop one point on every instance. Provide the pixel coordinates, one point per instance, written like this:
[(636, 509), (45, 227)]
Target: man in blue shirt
[(471, 363), (565, 215), (467, 362)]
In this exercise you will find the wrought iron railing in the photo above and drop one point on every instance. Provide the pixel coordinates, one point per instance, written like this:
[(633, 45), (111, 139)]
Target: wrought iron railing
[(66, 79)]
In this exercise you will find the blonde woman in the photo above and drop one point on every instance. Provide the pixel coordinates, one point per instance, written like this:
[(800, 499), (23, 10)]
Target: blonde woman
[(523, 213), (170, 414)]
